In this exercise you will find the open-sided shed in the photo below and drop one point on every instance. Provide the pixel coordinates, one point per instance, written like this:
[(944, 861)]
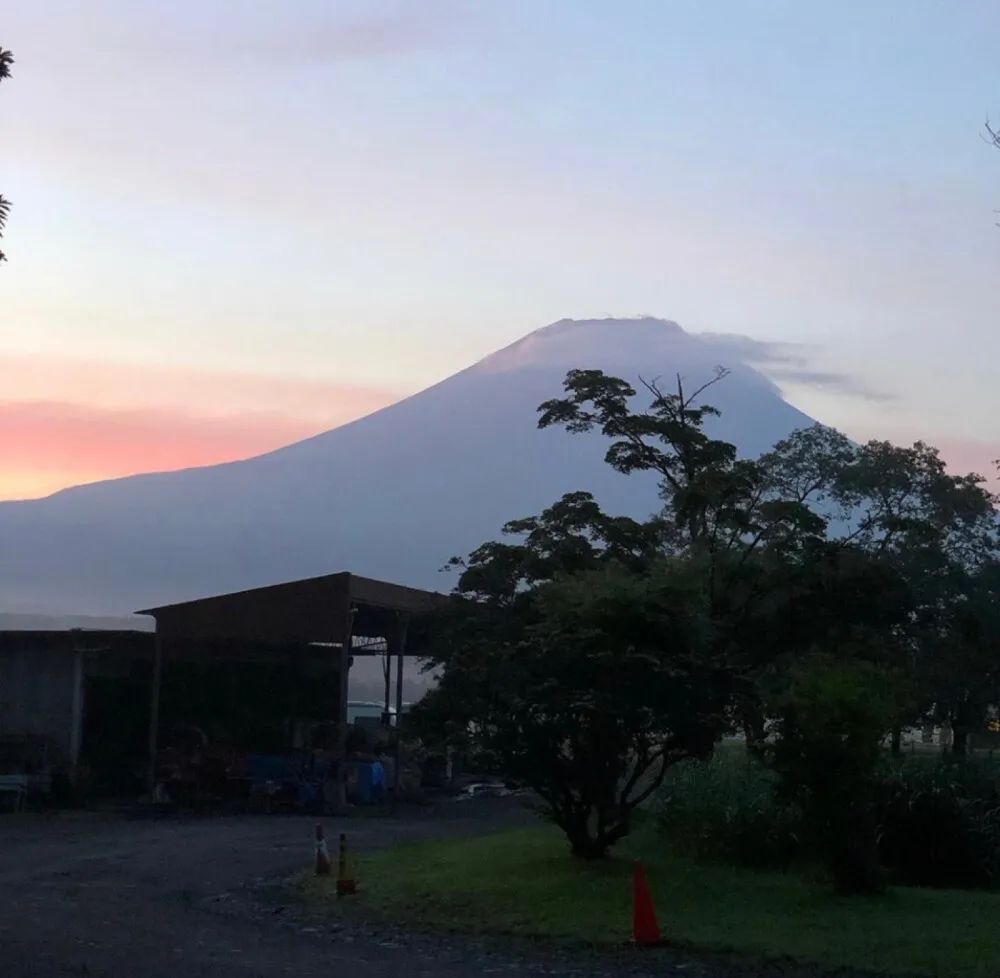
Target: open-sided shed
[(328, 619), (44, 678)]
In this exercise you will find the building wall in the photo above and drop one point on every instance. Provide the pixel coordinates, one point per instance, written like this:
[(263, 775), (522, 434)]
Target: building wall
[(41, 694)]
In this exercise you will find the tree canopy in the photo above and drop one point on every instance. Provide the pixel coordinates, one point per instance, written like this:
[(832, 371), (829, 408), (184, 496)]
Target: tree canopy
[(587, 652)]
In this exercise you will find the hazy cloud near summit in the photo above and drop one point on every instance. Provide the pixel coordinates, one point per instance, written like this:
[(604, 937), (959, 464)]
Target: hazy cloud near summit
[(350, 32), (214, 38), (788, 362)]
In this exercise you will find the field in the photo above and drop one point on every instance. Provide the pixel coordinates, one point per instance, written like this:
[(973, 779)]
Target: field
[(522, 882)]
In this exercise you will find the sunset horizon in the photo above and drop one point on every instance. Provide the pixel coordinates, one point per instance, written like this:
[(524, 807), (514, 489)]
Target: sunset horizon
[(114, 420), (312, 202), (118, 419)]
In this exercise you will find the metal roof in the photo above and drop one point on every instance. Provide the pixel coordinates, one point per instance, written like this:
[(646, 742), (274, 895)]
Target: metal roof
[(316, 609), (76, 639)]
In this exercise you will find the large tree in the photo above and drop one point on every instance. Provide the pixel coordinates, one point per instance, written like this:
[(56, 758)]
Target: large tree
[(588, 652), (578, 657), (783, 545), (931, 532)]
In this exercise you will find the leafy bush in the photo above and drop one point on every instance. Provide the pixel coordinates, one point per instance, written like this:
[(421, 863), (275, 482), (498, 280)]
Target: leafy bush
[(832, 716), (725, 809), (938, 818), (939, 823)]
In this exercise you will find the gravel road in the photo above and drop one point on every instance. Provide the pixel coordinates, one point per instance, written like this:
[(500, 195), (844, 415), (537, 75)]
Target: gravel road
[(112, 897)]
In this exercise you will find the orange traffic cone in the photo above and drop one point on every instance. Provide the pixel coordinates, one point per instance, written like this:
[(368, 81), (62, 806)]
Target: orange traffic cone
[(323, 864), (645, 931)]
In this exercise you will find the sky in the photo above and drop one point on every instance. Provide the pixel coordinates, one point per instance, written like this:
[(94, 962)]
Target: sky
[(236, 224)]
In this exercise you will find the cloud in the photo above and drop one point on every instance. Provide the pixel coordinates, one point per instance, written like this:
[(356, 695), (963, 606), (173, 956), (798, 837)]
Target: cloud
[(213, 33), (266, 37), (49, 445), (789, 363), (98, 383), (66, 421), (403, 30)]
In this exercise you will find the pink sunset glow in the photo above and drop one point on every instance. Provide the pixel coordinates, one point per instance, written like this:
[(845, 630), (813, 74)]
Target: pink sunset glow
[(970, 455), (306, 250), (114, 420)]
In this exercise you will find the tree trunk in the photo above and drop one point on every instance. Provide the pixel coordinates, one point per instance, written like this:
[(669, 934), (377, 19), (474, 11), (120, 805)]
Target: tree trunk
[(754, 725), (897, 741), (854, 852), (965, 719), (959, 741), (587, 844), (587, 848)]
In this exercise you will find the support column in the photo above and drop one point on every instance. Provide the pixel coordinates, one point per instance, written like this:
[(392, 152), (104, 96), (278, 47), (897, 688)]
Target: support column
[(400, 643), (343, 686), (387, 676), (154, 711), (344, 669), (76, 730)]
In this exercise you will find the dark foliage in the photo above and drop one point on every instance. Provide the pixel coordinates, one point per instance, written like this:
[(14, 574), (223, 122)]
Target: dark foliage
[(937, 818), (726, 810), (586, 654), (832, 717), (586, 688), (939, 824)]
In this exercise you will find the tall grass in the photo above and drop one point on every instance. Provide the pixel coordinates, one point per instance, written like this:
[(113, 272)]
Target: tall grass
[(940, 821), (938, 818), (725, 809)]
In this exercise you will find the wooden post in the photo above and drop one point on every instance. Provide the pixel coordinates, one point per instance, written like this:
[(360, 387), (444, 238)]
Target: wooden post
[(400, 652), (154, 711)]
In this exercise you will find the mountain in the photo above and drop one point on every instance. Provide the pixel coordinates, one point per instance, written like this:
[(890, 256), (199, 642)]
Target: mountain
[(392, 495)]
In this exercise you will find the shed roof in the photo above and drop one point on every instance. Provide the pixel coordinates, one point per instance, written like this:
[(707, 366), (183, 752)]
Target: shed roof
[(316, 609), (75, 639)]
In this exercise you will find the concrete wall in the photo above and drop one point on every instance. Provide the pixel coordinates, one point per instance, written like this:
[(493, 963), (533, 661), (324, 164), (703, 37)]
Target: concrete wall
[(41, 693)]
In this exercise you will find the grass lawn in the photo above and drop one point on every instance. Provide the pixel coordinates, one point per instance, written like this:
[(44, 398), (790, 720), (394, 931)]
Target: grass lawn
[(523, 882)]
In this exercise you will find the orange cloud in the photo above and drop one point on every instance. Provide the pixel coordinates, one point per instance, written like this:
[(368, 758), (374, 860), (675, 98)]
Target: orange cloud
[(109, 384), (65, 421), (50, 445)]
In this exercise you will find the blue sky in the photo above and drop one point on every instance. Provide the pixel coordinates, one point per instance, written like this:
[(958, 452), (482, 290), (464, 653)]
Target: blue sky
[(377, 193)]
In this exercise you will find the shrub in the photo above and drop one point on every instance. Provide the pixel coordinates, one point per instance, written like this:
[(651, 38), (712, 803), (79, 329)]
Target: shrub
[(937, 818), (939, 823), (832, 716), (725, 809)]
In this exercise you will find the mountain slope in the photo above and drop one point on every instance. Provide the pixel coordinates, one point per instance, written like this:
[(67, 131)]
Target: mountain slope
[(392, 495)]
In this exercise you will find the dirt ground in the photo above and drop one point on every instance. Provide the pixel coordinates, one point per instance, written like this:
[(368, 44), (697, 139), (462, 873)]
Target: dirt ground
[(113, 897)]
